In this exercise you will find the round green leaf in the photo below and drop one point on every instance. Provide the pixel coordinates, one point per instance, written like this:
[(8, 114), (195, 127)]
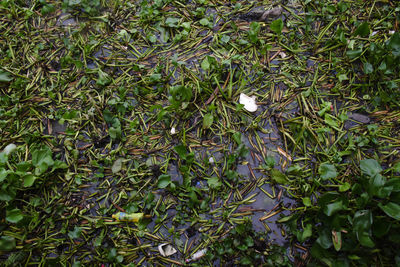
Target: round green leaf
[(14, 216), (327, 171)]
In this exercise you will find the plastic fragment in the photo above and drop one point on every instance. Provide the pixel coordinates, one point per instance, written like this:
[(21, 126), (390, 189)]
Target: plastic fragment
[(127, 217), (248, 102), (197, 255), (9, 149), (166, 250)]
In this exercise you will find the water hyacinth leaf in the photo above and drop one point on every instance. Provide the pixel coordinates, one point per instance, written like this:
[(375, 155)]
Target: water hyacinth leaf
[(214, 182), (76, 233), (14, 216), (327, 171), (370, 167), (7, 243), (279, 177), (204, 22), (117, 166), (391, 209), (307, 201), (205, 64), (5, 76), (277, 26), (254, 30), (172, 22), (352, 54), (362, 222), (344, 187), (163, 181), (368, 68), (181, 150), (29, 179), (324, 239), (103, 79), (337, 240), (208, 120), (305, 234), (362, 30), (334, 207), (394, 44), (42, 159)]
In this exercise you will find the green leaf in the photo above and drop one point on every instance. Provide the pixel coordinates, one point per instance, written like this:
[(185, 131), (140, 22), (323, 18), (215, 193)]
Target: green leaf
[(279, 177), (253, 32), (327, 171), (4, 76), (352, 54), (3, 158), (277, 26), (117, 166), (305, 234), (208, 120), (307, 201), (324, 239), (104, 79), (205, 65), (7, 243), (337, 240), (172, 22), (391, 209), (14, 216), (362, 222), (362, 30), (204, 22), (181, 150), (331, 121), (370, 167), (368, 68), (29, 179), (334, 207), (214, 182), (76, 233), (42, 159), (164, 180), (394, 44), (344, 187), (248, 241)]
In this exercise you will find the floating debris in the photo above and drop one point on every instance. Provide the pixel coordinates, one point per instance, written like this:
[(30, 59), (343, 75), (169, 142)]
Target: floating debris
[(9, 149), (166, 250), (173, 131), (261, 14), (127, 217), (197, 255), (248, 102)]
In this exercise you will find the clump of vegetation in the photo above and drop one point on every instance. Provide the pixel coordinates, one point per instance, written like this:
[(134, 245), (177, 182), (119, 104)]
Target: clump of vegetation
[(134, 106)]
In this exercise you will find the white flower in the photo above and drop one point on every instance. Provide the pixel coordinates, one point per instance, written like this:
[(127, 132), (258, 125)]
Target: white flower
[(248, 102), (211, 160), (173, 131)]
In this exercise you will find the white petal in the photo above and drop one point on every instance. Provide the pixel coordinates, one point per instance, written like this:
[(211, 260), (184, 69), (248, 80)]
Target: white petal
[(9, 148), (173, 130), (248, 102)]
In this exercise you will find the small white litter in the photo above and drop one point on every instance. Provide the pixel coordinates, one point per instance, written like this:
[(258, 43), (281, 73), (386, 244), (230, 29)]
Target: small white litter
[(197, 255), (166, 250), (211, 160), (173, 131), (9, 149), (248, 102)]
